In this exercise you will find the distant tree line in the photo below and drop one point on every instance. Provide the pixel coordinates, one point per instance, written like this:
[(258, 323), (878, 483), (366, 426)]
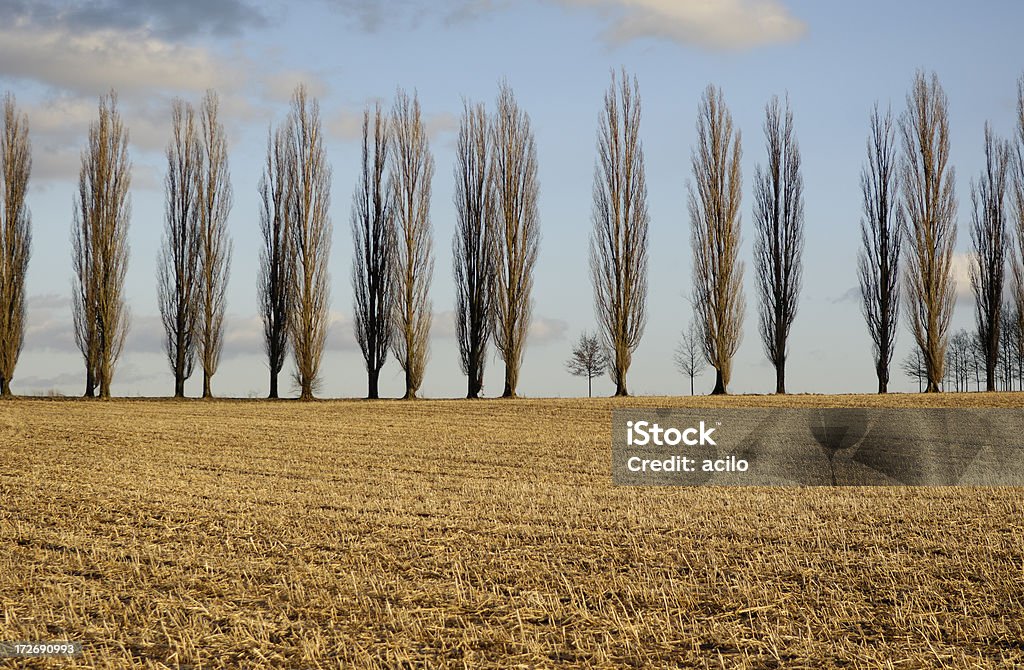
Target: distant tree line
[(908, 232)]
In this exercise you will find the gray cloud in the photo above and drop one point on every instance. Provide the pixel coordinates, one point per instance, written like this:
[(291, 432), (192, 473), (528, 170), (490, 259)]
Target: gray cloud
[(720, 25), (172, 20), (543, 330)]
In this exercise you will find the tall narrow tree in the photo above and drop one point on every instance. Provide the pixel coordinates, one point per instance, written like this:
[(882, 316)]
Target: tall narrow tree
[(374, 240), (471, 247), (311, 241), (882, 229), (517, 231), (618, 245), (988, 235), (100, 247), (929, 203), (277, 258), (779, 235), (412, 170), (1017, 187), (178, 262), (215, 196), (15, 236), (714, 205)]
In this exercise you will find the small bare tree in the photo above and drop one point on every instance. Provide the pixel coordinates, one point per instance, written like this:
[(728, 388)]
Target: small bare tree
[(178, 262), (100, 247), (589, 359), (714, 204), (311, 241), (374, 239), (15, 236), (929, 204), (215, 196), (517, 231), (779, 240), (412, 170), (277, 257), (618, 245), (988, 234), (913, 367), (689, 356), (882, 230), (471, 247)]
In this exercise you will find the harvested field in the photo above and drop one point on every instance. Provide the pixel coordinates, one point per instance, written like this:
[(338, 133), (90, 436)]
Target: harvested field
[(227, 533)]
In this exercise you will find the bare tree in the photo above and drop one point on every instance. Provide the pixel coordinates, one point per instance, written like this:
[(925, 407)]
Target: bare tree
[(882, 231), (517, 231), (471, 247), (215, 196), (1009, 364), (178, 262), (311, 241), (412, 170), (779, 239), (277, 257), (100, 247), (618, 245), (913, 367), (374, 239), (714, 204), (689, 357), (1017, 188), (930, 207), (589, 359), (15, 237), (988, 234)]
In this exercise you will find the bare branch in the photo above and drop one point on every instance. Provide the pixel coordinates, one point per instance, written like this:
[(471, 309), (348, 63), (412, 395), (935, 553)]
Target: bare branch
[(517, 231), (15, 236), (714, 204), (374, 240), (929, 206), (618, 244), (411, 175)]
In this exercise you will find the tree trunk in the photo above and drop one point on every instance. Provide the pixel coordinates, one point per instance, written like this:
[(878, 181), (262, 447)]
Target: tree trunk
[(932, 387), (691, 384), (307, 391), (179, 385), (473, 382), (780, 377), (620, 389), (90, 384), (719, 385), (410, 392), (5, 387), (511, 380), (273, 385), (207, 392), (590, 386), (372, 383)]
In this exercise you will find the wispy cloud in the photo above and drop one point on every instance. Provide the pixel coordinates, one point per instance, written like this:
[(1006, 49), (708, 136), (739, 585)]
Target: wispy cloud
[(710, 24), (722, 24)]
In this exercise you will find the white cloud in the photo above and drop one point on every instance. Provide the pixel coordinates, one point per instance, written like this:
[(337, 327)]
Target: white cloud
[(347, 124), (94, 62), (712, 24)]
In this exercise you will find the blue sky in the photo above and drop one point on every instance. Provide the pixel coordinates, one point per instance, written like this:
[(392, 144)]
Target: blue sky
[(833, 59)]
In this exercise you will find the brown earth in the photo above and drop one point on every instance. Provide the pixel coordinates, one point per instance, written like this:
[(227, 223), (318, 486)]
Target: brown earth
[(167, 533)]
